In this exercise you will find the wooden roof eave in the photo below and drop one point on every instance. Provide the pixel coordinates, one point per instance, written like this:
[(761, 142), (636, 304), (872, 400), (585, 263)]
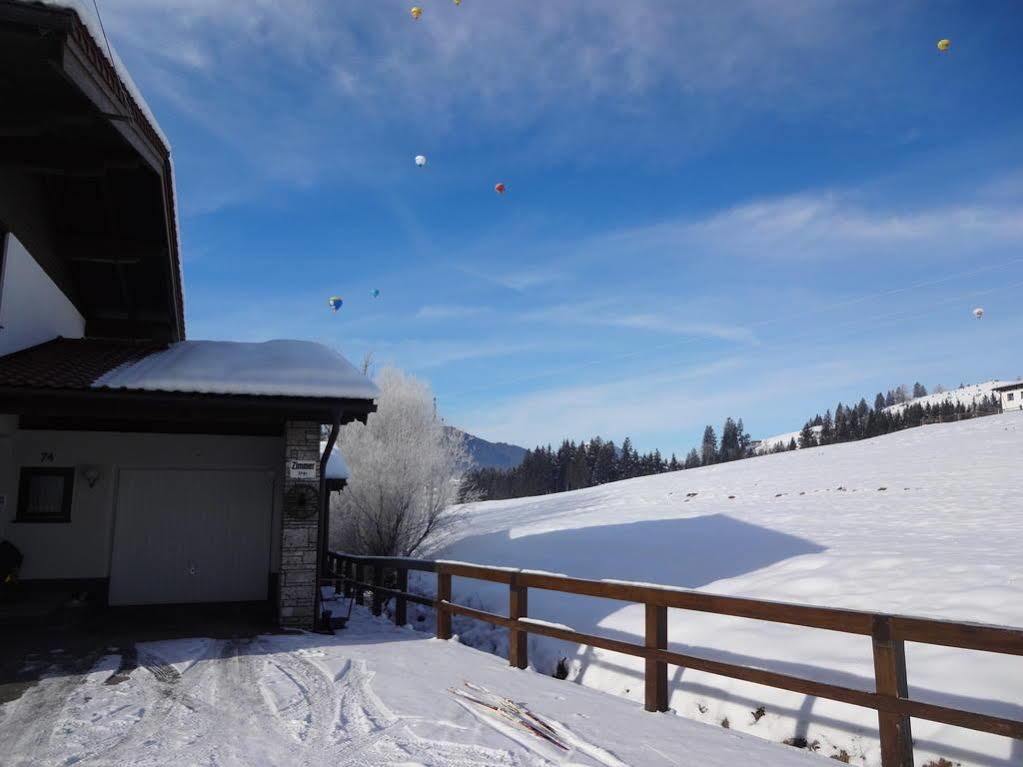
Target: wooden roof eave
[(159, 406)]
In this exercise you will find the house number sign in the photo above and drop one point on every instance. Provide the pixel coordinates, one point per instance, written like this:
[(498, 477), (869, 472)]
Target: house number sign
[(302, 469)]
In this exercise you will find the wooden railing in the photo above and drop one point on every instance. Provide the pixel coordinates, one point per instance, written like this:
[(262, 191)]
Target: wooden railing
[(358, 574)]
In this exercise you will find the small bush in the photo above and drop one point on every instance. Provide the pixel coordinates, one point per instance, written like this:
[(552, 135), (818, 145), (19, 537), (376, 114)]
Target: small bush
[(759, 714), (561, 672), (726, 724), (842, 756), (943, 763), (798, 741)]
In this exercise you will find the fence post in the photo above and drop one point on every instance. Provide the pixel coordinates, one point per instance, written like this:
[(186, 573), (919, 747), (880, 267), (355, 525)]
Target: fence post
[(443, 595), (400, 603), (656, 676), (360, 594), (518, 607), (378, 602), (347, 571), (890, 681)]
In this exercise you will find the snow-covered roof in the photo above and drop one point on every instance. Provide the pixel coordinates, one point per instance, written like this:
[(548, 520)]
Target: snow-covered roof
[(271, 368), (336, 466), (89, 16)]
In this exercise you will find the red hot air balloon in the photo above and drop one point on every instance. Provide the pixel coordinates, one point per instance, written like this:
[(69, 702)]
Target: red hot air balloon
[(499, 188)]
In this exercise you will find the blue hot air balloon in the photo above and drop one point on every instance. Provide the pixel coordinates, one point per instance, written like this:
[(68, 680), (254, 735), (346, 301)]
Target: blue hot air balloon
[(375, 292), (335, 302)]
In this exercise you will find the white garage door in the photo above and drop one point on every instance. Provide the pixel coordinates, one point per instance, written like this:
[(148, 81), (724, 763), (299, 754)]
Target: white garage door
[(191, 536)]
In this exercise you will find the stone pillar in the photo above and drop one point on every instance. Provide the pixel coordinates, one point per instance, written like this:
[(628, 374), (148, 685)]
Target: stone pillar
[(300, 531)]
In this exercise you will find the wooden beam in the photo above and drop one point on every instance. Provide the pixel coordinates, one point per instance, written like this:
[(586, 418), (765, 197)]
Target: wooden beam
[(518, 640), (656, 676)]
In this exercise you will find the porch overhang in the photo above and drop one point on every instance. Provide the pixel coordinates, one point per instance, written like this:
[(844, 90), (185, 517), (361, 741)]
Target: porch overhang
[(85, 176), (172, 412)]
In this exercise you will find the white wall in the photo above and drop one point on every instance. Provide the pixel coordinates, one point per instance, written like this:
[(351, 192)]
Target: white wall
[(32, 308), (81, 548), (1016, 403)]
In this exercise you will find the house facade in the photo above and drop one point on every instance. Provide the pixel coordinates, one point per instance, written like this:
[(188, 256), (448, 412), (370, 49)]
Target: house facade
[(138, 465), (1011, 396)]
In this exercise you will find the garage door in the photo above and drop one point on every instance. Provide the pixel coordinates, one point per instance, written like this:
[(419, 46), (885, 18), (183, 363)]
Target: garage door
[(191, 536)]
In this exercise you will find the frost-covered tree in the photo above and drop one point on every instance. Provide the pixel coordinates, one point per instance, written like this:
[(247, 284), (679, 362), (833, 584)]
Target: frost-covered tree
[(405, 472)]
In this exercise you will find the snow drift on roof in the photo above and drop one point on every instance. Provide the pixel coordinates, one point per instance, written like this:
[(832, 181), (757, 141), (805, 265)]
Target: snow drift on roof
[(272, 368), (89, 16), (336, 466)]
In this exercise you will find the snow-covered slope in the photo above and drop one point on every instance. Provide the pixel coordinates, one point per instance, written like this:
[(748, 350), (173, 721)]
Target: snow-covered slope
[(926, 521), (965, 395)]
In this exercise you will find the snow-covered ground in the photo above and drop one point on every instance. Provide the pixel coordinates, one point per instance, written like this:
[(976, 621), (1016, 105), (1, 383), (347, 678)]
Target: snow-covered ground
[(966, 396), (969, 395), (373, 695), (925, 521)]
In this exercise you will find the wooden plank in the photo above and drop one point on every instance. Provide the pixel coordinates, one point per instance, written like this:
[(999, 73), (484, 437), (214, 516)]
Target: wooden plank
[(890, 682), (656, 676), (771, 679), (968, 636), (377, 575), (479, 572), (400, 600), (518, 640), (420, 565), (360, 594), (1009, 728), (480, 615), (849, 621), (442, 605), (409, 596)]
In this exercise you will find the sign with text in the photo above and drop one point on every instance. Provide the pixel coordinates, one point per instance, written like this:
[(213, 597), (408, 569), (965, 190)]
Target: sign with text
[(302, 469)]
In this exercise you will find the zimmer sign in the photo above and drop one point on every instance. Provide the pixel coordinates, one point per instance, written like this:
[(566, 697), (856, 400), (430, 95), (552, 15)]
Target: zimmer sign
[(302, 469)]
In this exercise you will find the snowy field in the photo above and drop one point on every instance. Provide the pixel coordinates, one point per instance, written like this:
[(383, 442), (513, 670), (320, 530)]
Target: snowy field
[(966, 396), (925, 522), (372, 695)]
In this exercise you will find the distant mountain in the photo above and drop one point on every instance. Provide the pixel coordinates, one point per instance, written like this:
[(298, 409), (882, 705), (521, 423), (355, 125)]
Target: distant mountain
[(491, 455)]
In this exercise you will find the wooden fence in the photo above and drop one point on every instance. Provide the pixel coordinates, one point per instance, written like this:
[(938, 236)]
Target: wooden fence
[(888, 633)]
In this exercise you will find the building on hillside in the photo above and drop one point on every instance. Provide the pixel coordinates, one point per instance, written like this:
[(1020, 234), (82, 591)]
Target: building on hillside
[(137, 465), (1011, 395)]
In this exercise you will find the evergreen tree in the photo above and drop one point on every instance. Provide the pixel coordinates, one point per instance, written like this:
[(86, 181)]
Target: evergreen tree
[(827, 435), (745, 443), (879, 402), (627, 462), (692, 459), (919, 390), (806, 436), (709, 446), (578, 471), (729, 449)]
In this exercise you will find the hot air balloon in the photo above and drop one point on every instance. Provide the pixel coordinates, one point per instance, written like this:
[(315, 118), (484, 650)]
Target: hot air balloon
[(335, 302), (944, 45), (416, 12), (421, 160), (458, 2), (978, 312), (499, 188), (375, 292)]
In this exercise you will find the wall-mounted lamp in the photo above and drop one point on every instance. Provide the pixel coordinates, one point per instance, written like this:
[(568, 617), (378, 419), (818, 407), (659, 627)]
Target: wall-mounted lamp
[(91, 475)]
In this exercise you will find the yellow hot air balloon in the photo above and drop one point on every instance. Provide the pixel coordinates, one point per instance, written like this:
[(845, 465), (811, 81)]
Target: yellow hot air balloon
[(416, 12), (458, 2), (944, 45)]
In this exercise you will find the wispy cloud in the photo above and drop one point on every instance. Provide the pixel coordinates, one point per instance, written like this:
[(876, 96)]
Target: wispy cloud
[(312, 84), (615, 314)]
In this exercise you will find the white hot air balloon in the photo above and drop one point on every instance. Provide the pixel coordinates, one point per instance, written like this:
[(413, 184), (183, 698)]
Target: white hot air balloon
[(421, 160), (978, 312)]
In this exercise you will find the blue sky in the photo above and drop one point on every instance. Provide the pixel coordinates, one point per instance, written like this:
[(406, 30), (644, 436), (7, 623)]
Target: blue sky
[(753, 210)]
